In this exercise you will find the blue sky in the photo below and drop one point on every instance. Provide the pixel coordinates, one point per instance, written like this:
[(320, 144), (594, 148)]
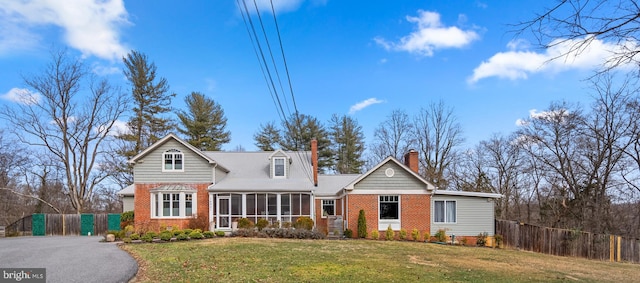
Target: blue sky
[(361, 58)]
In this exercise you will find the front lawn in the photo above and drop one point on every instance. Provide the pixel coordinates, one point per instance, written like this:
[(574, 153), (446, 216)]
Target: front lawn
[(283, 260)]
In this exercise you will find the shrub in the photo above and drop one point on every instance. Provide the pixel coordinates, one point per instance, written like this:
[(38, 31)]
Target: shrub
[(362, 224), (135, 236), (187, 231), (177, 232), (151, 234), (220, 233), (427, 236), (262, 223), (498, 239), (182, 237), (244, 223), (415, 234), (375, 235), (403, 234), (199, 221), (166, 235), (196, 235), (126, 219), (389, 234), (286, 225), (116, 234), (127, 240), (348, 233), (481, 239), (278, 233), (441, 235), (304, 222), (128, 230), (208, 234), (244, 233), (275, 224), (147, 238), (197, 230), (464, 241)]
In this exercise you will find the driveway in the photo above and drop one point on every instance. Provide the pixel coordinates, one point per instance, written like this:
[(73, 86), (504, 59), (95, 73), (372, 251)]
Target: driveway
[(69, 258)]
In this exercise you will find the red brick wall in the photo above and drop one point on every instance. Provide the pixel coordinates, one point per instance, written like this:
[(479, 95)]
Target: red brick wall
[(142, 208), (321, 223), (414, 212)]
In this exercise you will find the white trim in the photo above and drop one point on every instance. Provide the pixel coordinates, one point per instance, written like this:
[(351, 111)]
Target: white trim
[(445, 211), (395, 224), (322, 208), (467, 194), (156, 200), (389, 192), (173, 152), (284, 169)]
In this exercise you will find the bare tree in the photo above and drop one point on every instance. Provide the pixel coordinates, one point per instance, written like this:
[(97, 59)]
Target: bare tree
[(393, 137), (503, 162), (71, 121), (437, 134), (578, 24)]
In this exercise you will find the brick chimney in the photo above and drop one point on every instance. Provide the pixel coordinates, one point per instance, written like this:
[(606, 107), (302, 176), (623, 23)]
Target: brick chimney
[(411, 160), (314, 160)]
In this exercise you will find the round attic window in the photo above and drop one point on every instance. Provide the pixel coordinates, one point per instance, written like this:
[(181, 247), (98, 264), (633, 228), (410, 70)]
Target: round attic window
[(389, 172)]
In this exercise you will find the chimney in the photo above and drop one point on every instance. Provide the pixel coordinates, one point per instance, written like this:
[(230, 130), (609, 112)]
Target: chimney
[(411, 160), (314, 160)]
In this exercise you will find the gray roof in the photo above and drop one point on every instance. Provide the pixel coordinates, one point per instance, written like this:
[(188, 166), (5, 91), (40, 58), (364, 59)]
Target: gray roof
[(249, 171), (467, 194), (330, 185), (127, 191)]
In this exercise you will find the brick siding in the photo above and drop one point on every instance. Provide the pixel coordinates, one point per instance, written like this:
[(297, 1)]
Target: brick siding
[(142, 208)]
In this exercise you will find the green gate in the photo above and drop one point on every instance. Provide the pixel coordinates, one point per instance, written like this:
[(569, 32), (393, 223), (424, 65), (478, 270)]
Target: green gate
[(38, 225), (86, 224)]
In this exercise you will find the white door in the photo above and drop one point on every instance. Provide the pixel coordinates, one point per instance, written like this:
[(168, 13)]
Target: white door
[(224, 212)]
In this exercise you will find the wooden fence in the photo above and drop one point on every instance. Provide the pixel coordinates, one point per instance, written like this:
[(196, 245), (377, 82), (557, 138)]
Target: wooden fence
[(61, 224), (563, 242)]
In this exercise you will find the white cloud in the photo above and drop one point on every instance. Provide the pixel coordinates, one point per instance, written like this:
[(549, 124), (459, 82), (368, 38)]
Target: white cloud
[(363, 104), (89, 26), (534, 114), (119, 127), (102, 70), (22, 96), (279, 6), (430, 35), (519, 62)]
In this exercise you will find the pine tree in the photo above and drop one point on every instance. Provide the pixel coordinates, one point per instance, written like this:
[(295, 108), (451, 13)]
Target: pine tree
[(347, 144), (362, 224), (298, 133), (268, 137), (204, 123)]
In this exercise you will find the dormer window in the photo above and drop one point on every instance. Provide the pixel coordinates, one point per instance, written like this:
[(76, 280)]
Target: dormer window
[(173, 161), (279, 167)]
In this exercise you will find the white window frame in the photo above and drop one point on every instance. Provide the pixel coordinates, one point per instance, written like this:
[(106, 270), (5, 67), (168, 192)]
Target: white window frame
[(157, 204), (444, 211), (172, 153), (284, 169), (394, 223), (328, 202)]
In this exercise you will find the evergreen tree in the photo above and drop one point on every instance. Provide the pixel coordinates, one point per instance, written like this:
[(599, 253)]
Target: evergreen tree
[(268, 137), (347, 144), (151, 102), (204, 123), (298, 133)]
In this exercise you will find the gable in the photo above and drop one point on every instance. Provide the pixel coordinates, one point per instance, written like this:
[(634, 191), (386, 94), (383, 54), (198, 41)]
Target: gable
[(148, 169), (390, 177)]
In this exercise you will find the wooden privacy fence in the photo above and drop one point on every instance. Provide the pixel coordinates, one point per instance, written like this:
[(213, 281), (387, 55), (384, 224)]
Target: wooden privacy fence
[(65, 224), (563, 242)]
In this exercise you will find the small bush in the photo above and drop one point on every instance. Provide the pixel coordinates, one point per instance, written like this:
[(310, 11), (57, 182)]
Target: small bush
[(187, 231), (427, 236), (182, 237), (151, 234), (274, 225), (464, 241), (208, 234), (375, 235), (278, 233), (304, 222), (177, 232), (441, 235), (415, 234), (244, 233), (286, 225), (135, 236), (262, 223), (348, 233), (403, 234), (147, 238), (196, 235), (116, 234), (244, 223), (362, 224), (166, 235), (389, 234), (126, 219), (498, 239), (128, 230), (481, 239), (220, 233), (127, 240), (199, 221)]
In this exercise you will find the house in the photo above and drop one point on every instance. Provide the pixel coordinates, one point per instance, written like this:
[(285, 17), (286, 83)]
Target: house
[(175, 183)]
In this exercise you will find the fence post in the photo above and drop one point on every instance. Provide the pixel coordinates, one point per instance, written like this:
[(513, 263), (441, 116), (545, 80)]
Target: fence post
[(619, 257), (611, 247)]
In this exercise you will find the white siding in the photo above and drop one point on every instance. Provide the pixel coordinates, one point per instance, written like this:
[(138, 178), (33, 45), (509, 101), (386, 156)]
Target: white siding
[(474, 215), (196, 168)]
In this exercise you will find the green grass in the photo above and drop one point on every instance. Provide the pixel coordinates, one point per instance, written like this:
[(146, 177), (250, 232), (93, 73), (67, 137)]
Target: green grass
[(279, 260)]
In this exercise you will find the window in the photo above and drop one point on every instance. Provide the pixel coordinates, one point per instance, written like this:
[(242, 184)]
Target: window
[(279, 167), (173, 204), (172, 160), (328, 207), (389, 208), (444, 211)]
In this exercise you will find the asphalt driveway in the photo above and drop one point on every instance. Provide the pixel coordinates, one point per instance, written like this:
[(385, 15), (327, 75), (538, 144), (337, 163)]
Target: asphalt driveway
[(69, 258)]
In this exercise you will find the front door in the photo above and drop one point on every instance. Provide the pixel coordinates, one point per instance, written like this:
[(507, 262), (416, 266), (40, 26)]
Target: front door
[(224, 212)]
